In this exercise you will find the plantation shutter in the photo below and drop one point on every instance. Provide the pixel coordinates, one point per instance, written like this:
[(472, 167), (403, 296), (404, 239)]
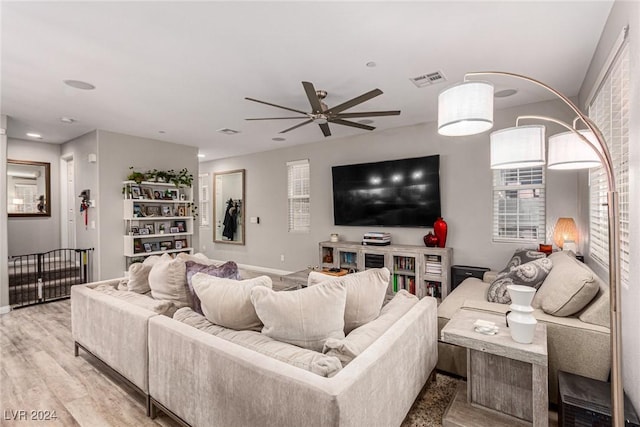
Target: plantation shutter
[(298, 195), (519, 205), (609, 109)]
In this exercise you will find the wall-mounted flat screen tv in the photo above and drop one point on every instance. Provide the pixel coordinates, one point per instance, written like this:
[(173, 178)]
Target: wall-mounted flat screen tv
[(394, 193)]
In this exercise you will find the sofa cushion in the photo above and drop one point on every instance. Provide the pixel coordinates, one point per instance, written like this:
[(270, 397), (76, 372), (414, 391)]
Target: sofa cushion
[(228, 270), (568, 288), (598, 312), (530, 274), (470, 289), (166, 308), (227, 302), (318, 363), (305, 317), (522, 256), (366, 291), (167, 280), (362, 337)]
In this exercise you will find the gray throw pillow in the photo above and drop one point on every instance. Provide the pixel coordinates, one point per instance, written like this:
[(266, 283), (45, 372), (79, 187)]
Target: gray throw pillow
[(228, 270), (531, 274), (522, 256)]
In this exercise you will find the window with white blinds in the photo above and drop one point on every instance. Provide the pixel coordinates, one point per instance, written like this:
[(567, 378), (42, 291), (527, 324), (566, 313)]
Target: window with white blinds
[(298, 195), (609, 110), (203, 187), (519, 205)]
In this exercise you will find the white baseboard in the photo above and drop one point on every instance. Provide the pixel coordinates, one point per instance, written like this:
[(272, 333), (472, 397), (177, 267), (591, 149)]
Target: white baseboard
[(5, 309)]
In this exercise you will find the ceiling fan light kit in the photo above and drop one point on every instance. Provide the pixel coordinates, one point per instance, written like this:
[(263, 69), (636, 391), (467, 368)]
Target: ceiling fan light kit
[(322, 115)]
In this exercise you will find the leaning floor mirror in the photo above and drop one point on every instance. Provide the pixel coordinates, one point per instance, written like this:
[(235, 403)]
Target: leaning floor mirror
[(228, 207), (28, 188)]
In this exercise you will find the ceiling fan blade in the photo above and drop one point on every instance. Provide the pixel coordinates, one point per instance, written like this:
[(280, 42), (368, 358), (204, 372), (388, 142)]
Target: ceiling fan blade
[(313, 97), (355, 101), (369, 114), (277, 118), (306, 122), (277, 106), (352, 124), (325, 129)]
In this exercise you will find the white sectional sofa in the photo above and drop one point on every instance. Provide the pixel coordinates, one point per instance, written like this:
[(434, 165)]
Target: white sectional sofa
[(204, 380)]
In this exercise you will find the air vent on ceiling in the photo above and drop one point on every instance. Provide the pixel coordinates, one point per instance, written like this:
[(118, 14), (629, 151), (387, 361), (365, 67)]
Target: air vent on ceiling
[(228, 131), (428, 79)]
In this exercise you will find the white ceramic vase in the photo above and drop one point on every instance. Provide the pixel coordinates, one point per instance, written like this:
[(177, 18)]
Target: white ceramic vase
[(522, 323)]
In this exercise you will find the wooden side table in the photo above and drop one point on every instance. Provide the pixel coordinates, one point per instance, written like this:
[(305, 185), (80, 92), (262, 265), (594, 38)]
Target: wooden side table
[(506, 381)]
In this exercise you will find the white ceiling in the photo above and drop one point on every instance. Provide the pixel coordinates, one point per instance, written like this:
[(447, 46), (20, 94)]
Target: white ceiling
[(185, 68)]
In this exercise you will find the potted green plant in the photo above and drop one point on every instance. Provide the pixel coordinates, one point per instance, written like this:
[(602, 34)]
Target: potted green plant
[(138, 177)]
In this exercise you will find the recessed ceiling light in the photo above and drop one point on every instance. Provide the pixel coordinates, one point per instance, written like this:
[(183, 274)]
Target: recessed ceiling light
[(79, 84), (67, 120), (34, 135), (504, 93), (278, 138), (365, 121), (228, 131), (201, 156), (161, 131), (371, 64)]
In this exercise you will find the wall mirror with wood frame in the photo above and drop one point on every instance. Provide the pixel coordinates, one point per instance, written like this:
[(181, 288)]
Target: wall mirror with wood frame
[(28, 188), (228, 207)]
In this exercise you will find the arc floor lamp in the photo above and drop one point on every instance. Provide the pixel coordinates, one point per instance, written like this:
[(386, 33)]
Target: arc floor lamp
[(467, 109)]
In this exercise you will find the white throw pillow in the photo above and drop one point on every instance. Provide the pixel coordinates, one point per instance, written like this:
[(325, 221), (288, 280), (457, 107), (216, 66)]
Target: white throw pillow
[(167, 280), (306, 317), (359, 339), (227, 302), (139, 278), (365, 294), (200, 258)]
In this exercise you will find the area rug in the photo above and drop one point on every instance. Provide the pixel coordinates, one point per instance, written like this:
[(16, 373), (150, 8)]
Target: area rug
[(431, 403)]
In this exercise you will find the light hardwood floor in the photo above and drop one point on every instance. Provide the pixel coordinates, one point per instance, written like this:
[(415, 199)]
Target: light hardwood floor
[(38, 372)]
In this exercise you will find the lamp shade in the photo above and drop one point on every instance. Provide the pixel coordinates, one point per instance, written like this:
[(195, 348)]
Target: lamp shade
[(518, 147), (465, 109), (568, 151), (565, 230)]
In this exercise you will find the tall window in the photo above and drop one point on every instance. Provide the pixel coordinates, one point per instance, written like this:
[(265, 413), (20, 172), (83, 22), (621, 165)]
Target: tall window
[(298, 195), (519, 205), (609, 109), (203, 186)]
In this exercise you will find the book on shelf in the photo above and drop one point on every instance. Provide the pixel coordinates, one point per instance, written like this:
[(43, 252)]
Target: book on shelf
[(374, 242)]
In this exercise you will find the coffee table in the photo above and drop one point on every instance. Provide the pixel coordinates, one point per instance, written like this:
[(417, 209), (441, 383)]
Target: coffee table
[(506, 380), (296, 280)]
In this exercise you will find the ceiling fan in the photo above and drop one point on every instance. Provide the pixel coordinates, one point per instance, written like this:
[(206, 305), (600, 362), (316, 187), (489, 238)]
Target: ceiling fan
[(322, 115)]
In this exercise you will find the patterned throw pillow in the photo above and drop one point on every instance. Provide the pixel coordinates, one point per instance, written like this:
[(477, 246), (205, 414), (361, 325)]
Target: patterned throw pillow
[(522, 256), (531, 274), (228, 270)]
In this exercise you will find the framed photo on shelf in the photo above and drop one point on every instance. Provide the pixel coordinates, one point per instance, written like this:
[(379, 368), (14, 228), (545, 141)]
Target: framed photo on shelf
[(153, 210), (147, 247), (135, 192), (143, 231), (181, 243), (182, 226), (174, 230), (137, 245), (133, 230), (147, 192), (157, 195), (151, 227), (166, 210), (155, 246), (168, 244), (138, 211), (174, 194), (182, 211)]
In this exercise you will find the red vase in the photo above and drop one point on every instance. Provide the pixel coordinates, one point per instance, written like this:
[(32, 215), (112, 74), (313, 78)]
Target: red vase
[(440, 229), (430, 240)]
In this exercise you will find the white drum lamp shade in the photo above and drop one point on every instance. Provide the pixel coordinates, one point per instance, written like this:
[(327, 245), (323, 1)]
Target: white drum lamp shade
[(518, 147), (465, 109), (568, 151)]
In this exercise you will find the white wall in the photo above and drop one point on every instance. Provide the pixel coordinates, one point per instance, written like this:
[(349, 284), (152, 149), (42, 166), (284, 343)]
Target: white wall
[(85, 177), (4, 252), (44, 232), (624, 13), (116, 153), (465, 180)]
